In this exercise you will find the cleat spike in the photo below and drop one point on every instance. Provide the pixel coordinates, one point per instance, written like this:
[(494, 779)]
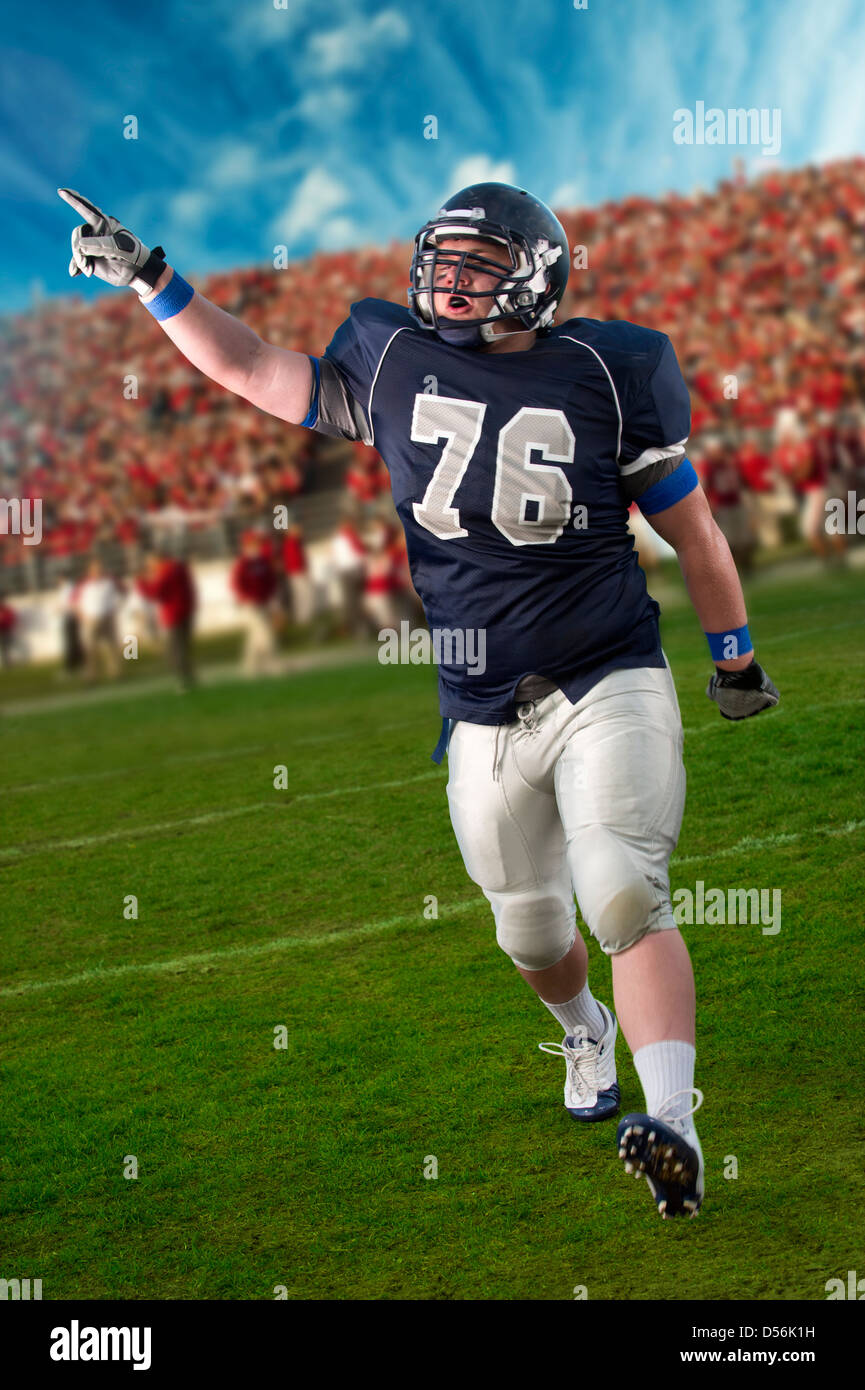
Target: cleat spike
[(671, 1166)]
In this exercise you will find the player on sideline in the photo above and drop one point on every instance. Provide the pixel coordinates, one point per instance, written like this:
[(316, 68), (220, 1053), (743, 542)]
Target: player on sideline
[(515, 448)]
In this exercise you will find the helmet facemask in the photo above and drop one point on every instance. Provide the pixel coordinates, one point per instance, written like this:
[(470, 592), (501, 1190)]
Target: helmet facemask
[(523, 290)]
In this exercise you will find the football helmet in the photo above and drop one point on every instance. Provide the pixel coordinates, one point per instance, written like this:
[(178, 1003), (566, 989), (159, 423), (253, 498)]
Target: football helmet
[(532, 271)]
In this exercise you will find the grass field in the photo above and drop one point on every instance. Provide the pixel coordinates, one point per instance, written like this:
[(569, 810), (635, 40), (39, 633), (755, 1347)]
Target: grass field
[(407, 1037)]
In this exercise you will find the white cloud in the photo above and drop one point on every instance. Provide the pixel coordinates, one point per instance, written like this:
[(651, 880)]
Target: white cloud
[(256, 26), (479, 168), (236, 163), (357, 43), (325, 105), (317, 197), (20, 180), (339, 232), (567, 195), (190, 208)]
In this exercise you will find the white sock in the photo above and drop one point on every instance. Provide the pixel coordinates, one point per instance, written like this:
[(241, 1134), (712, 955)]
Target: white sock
[(579, 1012), (665, 1068)]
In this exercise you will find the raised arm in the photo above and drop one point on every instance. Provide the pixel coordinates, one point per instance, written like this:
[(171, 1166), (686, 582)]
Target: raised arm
[(219, 345)]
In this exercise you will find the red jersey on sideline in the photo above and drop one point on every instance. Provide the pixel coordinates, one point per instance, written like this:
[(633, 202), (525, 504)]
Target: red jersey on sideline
[(253, 579), (173, 590)]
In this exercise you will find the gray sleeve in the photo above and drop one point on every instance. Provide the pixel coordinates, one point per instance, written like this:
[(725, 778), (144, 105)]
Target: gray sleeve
[(339, 412), (633, 485)]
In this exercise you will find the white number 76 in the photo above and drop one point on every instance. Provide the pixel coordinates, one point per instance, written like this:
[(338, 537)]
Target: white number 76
[(520, 484)]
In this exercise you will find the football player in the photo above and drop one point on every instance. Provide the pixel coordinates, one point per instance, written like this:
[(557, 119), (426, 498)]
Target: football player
[(515, 447)]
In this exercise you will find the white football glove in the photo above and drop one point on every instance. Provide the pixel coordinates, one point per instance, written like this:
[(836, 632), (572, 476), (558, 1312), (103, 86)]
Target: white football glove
[(102, 246)]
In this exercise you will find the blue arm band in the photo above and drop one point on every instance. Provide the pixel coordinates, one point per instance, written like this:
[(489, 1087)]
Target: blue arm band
[(312, 413), (172, 299), (668, 491), (726, 646)]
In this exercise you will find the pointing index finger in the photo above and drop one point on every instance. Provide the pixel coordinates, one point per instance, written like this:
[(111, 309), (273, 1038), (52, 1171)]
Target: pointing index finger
[(82, 206)]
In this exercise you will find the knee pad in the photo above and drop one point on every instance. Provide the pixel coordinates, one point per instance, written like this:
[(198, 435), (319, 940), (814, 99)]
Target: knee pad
[(619, 901), (536, 928)]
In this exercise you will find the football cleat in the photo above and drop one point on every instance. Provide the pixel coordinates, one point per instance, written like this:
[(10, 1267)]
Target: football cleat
[(591, 1089), (653, 1148)]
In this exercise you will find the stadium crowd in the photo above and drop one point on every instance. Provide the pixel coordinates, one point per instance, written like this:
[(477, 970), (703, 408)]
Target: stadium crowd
[(270, 581), (760, 285)]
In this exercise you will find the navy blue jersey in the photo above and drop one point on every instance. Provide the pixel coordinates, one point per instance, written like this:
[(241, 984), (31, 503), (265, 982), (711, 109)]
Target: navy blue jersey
[(512, 473)]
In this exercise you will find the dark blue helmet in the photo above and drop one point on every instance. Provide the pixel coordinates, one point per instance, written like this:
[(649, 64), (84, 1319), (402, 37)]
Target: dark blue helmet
[(532, 269)]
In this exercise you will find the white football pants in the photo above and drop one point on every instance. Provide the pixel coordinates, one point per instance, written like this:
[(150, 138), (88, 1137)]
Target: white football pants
[(586, 799)]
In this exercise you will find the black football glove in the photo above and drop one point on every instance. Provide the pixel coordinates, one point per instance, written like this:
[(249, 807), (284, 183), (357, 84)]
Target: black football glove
[(740, 694), (102, 246)]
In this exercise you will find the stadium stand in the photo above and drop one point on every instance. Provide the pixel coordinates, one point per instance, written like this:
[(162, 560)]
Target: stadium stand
[(760, 285)]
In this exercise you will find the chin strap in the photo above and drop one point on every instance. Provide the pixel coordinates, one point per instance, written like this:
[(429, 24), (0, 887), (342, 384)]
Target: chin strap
[(463, 335), (475, 335)]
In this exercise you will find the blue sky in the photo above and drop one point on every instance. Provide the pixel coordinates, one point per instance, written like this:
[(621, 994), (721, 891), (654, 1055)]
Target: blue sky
[(304, 126)]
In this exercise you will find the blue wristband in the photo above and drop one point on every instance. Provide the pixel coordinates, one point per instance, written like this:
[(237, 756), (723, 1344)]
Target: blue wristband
[(726, 646), (172, 299)]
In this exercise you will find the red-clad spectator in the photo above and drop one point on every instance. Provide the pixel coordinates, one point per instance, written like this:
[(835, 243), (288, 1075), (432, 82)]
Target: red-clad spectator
[(167, 581), (349, 562), (383, 581), (8, 621), (254, 582), (755, 467), (763, 501), (408, 602), (813, 488), (297, 577), (723, 485), (367, 476)]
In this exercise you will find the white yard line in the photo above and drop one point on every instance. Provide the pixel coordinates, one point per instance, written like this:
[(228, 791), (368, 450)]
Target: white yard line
[(718, 724), (216, 755), (766, 842), (360, 653), (133, 832), (201, 959), (259, 948)]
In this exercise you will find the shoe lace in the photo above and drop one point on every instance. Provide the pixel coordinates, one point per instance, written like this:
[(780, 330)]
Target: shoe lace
[(661, 1112), (582, 1065)]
